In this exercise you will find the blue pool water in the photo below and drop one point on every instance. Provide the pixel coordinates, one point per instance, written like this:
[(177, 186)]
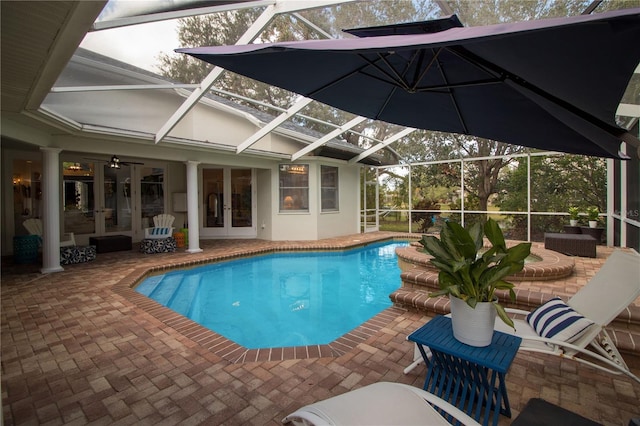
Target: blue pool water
[(284, 299)]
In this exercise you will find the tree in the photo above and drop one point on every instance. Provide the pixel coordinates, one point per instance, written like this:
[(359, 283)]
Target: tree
[(226, 28), (557, 183), (482, 177)]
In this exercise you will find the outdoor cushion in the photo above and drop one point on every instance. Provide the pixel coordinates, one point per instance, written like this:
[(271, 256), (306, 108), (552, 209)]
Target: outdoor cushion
[(158, 232), (556, 320), (158, 245)]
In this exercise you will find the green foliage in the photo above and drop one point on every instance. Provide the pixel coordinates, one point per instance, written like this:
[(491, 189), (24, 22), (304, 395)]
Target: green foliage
[(557, 183), (466, 274), (226, 28), (593, 213)]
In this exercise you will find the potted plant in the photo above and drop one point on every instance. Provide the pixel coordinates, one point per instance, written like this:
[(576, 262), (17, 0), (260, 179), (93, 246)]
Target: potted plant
[(471, 275), (574, 215), (593, 214)]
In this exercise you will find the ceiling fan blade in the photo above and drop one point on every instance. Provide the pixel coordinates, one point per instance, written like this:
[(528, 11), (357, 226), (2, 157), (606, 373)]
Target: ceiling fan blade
[(102, 160)]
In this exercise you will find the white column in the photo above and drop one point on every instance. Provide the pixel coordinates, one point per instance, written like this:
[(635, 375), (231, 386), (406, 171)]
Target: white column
[(50, 210), (192, 207)]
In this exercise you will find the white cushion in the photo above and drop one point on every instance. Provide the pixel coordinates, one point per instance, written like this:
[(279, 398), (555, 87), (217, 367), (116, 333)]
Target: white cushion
[(556, 320)]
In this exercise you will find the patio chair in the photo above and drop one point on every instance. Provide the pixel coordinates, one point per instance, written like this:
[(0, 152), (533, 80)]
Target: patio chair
[(380, 404), (159, 239), (577, 330), (34, 226), (163, 227)]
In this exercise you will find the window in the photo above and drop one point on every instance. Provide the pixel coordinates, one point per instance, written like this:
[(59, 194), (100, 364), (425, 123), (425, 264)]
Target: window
[(151, 194), (329, 188), (294, 187)]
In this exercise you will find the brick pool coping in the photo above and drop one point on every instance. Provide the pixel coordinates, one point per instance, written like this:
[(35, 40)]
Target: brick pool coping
[(230, 350), (552, 265)]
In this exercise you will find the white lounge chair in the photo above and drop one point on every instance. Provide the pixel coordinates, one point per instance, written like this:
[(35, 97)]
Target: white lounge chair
[(163, 227), (34, 226), (614, 287), (380, 404)]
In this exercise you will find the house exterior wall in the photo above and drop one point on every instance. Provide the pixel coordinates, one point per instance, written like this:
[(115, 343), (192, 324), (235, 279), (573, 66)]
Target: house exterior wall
[(346, 220), (264, 182), (97, 124), (314, 224)]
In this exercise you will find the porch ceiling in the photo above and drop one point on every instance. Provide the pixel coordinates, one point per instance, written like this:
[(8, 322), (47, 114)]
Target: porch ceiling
[(38, 39)]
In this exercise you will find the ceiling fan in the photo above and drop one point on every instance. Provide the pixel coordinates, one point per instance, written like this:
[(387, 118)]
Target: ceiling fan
[(115, 162)]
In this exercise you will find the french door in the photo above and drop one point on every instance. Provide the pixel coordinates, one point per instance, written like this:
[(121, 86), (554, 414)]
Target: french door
[(228, 204), (96, 198), (103, 200), (114, 206)]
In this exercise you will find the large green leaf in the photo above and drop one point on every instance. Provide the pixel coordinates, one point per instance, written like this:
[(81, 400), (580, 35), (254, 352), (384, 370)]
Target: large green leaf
[(492, 275), (476, 233), (458, 239), (494, 234), (435, 248), (503, 315), (443, 266)]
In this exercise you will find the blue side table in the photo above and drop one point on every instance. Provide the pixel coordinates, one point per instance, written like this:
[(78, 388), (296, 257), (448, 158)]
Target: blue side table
[(471, 378)]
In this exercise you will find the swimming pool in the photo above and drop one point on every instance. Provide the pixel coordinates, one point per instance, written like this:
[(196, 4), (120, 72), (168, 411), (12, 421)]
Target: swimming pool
[(283, 299)]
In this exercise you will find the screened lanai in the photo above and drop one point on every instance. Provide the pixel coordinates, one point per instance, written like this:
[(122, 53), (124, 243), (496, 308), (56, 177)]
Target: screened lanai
[(149, 102), (247, 169)]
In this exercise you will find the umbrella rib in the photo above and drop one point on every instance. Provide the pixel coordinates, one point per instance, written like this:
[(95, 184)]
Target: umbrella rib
[(451, 94), (394, 82), (434, 60), (394, 76), (459, 85)]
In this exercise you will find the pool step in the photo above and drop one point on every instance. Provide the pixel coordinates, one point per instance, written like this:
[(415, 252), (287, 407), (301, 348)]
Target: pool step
[(147, 286), (184, 295), (166, 288)]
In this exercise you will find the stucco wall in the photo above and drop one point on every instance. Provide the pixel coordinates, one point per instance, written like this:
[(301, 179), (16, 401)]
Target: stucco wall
[(313, 225), (345, 221)]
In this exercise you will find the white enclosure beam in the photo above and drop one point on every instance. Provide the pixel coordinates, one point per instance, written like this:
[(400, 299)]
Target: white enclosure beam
[(311, 25), (280, 7), (254, 30), (73, 89), (326, 138), (176, 14), (388, 141), (628, 110), (297, 106)]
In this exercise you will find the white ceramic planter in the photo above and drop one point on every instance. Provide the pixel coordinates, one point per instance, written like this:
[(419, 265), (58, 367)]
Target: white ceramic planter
[(473, 327), (573, 222), (593, 224)]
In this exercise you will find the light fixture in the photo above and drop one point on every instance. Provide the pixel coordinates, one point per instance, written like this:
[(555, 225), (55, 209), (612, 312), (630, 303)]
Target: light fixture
[(114, 163), (74, 167), (296, 169), (288, 202)]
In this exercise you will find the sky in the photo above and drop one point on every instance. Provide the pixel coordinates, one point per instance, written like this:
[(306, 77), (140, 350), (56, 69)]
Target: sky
[(138, 45)]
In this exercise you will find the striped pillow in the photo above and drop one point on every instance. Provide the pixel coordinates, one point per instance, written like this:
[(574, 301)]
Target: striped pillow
[(159, 232), (556, 320)]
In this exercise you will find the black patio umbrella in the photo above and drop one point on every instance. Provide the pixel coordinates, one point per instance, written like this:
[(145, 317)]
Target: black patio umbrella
[(550, 84)]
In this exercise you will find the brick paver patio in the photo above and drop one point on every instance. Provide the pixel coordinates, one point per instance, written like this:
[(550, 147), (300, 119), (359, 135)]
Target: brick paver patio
[(77, 350)]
